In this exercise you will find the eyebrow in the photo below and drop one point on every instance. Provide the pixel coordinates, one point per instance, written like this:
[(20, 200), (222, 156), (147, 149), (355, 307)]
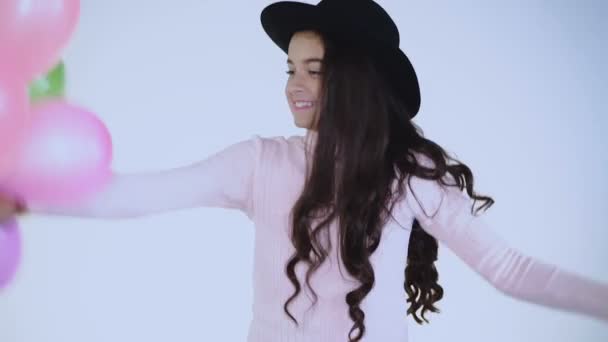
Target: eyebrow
[(307, 60)]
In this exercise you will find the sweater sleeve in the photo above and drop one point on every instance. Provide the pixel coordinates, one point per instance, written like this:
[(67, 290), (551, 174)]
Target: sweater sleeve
[(445, 213), (224, 180)]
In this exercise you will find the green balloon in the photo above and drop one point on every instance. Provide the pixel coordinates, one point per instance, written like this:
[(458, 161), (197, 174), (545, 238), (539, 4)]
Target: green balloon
[(50, 85)]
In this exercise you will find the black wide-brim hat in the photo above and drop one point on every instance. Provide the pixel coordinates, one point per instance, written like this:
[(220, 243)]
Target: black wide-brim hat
[(363, 22)]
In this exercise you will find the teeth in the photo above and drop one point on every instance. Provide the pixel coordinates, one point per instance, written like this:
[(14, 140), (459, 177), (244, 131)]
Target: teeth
[(301, 104)]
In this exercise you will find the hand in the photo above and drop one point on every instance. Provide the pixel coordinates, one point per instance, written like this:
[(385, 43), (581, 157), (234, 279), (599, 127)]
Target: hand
[(10, 207)]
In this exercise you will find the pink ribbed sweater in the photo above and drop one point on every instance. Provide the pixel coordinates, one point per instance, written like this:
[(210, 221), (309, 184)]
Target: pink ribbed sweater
[(263, 176)]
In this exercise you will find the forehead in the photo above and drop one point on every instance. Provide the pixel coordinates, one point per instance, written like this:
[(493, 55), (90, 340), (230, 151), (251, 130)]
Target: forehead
[(305, 44)]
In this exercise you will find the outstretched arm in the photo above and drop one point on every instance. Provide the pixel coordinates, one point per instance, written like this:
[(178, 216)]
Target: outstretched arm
[(224, 179), (445, 213)]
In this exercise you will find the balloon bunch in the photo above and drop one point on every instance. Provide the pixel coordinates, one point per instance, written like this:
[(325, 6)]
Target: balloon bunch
[(51, 151)]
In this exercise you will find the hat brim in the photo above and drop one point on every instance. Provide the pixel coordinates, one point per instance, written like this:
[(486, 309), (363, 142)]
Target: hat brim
[(282, 19)]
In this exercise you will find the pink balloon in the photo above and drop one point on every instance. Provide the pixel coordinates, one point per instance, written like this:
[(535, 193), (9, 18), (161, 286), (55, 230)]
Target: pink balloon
[(10, 251), (14, 118), (65, 157), (33, 33)]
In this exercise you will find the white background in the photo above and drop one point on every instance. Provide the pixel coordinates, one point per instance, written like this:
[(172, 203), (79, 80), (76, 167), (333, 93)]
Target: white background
[(517, 90)]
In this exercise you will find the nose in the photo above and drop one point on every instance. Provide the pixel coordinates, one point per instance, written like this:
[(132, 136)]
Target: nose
[(296, 91)]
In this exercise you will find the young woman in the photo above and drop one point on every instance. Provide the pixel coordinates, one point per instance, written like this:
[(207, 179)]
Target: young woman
[(347, 217)]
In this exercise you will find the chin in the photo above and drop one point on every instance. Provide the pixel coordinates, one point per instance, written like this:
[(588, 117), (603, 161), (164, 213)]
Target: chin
[(298, 122), (303, 125)]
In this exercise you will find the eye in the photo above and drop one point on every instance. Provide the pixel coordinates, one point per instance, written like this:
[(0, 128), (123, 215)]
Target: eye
[(311, 72)]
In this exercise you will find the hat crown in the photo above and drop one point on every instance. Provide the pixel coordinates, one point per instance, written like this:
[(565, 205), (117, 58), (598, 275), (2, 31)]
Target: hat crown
[(365, 17)]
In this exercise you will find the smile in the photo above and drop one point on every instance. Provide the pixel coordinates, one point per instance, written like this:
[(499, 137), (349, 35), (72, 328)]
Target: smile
[(303, 104)]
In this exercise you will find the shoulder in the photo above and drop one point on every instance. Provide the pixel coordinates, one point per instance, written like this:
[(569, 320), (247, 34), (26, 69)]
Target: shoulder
[(261, 144), (279, 145), (278, 141), (269, 154), (426, 196)]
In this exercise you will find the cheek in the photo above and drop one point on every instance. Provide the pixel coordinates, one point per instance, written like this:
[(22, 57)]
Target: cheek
[(288, 87), (317, 89), (287, 91)]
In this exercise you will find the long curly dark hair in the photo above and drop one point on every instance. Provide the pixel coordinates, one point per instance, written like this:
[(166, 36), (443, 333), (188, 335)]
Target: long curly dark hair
[(363, 132)]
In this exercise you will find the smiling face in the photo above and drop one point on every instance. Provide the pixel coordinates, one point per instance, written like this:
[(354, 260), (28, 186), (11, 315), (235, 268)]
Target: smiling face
[(305, 56)]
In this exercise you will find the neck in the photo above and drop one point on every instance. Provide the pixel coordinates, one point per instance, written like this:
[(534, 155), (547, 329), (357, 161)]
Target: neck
[(311, 139)]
